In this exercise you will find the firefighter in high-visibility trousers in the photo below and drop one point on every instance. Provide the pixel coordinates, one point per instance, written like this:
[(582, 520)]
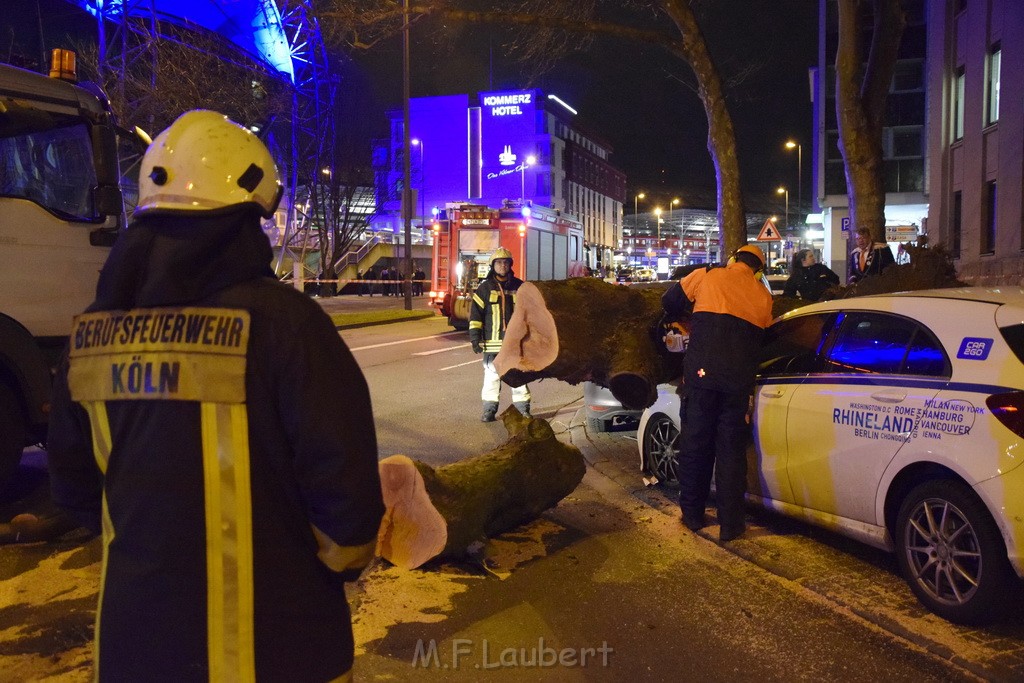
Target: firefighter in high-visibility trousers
[(196, 424), (493, 303)]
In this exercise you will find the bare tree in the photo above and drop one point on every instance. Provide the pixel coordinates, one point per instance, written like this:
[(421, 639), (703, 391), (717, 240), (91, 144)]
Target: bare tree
[(861, 92), (671, 24), (188, 69)]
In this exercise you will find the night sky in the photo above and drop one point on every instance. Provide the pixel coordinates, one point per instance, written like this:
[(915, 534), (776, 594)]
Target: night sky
[(641, 100), (636, 97)]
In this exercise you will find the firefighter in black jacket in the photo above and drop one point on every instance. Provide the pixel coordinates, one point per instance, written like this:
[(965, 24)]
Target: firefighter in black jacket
[(493, 303), (195, 424), (731, 307)]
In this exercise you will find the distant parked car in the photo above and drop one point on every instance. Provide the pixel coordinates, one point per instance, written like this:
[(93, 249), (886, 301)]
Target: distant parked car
[(777, 276), (605, 413), (897, 420), (645, 275)]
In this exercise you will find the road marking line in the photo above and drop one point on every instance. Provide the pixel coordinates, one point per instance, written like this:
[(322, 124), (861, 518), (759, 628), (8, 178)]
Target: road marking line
[(450, 348), (405, 341), (478, 360)]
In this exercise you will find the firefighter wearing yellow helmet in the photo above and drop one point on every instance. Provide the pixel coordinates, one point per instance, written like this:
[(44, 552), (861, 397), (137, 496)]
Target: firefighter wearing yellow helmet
[(493, 304), (729, 309), (191, 427)]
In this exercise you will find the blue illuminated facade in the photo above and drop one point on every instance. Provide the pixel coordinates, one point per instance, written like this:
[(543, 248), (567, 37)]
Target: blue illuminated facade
[(498, 148), (252, 25)]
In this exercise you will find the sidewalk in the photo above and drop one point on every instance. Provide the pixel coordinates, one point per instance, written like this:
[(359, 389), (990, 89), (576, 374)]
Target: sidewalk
[(350, 303), (862, 580)]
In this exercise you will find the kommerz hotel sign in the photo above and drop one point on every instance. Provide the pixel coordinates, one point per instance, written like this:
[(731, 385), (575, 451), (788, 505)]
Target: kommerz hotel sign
[(508, 105)]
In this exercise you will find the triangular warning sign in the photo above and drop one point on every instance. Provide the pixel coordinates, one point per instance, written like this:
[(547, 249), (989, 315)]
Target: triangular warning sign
[(769, 233)]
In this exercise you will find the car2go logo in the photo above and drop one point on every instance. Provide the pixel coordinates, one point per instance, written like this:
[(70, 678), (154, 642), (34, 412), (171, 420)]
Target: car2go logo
[(974, 348)]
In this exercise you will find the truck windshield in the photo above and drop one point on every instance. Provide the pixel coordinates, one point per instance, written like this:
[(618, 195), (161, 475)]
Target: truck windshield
[(51, 166)]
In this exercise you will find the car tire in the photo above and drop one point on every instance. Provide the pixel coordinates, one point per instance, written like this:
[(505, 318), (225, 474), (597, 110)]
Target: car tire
[(951, 553), (12, 434), (659, 444)]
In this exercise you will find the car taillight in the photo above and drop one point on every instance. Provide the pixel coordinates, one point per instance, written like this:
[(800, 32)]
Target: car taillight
[(1009, 409)]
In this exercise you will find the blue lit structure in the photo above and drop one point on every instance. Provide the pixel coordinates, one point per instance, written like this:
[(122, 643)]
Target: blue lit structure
[(253, 26), (282, 35), (476, 148)]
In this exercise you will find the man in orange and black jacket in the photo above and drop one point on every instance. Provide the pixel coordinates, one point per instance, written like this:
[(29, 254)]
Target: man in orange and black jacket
[(731, 307)]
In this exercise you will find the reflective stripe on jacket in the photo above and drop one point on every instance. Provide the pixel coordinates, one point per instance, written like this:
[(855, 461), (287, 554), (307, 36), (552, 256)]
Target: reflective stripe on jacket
[(493, 305)]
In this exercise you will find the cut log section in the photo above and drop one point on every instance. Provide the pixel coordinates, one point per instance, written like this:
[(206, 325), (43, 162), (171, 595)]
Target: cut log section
[(440, 512), (588, 330)]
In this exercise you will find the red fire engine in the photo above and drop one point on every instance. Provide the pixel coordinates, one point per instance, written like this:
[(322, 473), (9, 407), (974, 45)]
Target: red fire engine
[(545, 244)]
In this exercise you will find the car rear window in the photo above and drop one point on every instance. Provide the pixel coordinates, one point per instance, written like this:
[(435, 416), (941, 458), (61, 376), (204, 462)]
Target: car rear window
[(1014, 336), (886, 344)]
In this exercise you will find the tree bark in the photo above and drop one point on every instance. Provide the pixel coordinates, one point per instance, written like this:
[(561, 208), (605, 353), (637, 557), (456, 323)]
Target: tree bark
[(860, 106), (721, 135), (587, 329), (440, 513)]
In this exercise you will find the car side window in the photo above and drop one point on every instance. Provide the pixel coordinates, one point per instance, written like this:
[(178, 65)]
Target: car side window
[(880, 343), (926, 356), (793, 346)]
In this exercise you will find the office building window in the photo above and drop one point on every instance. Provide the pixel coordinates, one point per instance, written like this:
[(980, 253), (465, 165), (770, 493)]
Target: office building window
[(958, 105), (988, 226), (994, 60), (958, 218)]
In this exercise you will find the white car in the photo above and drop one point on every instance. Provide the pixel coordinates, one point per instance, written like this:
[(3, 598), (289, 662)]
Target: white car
[(896, 420)]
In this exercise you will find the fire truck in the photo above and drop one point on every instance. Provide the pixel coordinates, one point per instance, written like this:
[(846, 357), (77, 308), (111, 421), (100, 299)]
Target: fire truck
[(545, 244), (61, 209)]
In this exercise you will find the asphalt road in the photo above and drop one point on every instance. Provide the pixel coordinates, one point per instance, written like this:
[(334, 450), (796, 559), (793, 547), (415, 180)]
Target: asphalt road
[(609, 575)]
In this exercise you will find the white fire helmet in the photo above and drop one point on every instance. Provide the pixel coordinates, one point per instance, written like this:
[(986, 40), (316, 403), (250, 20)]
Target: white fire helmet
[(205, 161)]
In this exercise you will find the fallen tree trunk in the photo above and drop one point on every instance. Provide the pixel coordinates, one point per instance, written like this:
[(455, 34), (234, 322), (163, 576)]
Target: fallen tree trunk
[(439, 513), (587, 329)]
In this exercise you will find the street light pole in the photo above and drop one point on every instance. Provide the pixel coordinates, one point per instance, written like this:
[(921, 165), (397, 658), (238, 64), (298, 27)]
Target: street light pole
[(657, 244), (790, 144), (529, 161), (423, 184), (635, 200), (783, 190), (406, 193)]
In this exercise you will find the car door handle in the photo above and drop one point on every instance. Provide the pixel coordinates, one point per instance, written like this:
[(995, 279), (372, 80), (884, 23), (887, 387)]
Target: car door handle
[(774, 392), (889, 396)]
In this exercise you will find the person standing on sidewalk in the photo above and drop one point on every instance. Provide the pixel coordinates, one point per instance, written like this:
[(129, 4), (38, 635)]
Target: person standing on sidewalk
[(195, 425), (493, 304), (731, 307)]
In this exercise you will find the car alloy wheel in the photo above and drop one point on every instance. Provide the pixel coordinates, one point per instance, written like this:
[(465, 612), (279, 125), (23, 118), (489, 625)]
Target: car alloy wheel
[(951, 553), (660, 449)]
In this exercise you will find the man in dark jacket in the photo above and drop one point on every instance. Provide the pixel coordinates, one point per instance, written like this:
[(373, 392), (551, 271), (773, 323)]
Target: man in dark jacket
[(193, 423), (731, 307), (868, 258), (493, 303)]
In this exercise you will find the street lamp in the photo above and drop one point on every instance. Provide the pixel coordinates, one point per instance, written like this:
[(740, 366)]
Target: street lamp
[(530, 161), (423, 183), (783, 190), (790, 144), (657, 214), (635, 198), (674, 202)]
